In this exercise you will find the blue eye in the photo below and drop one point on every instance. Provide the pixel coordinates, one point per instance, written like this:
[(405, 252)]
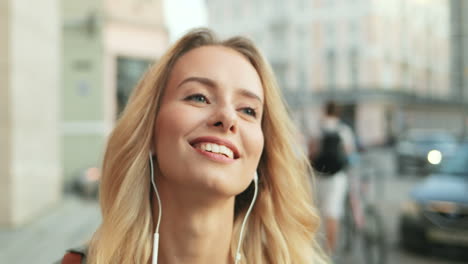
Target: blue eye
[(200, 98), (249, 111)]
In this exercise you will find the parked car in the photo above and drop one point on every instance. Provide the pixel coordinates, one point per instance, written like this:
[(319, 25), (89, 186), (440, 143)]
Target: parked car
[(424, 150), (436, 216)]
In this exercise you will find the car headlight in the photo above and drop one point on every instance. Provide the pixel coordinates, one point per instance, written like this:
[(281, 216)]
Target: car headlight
[(411, 208), (434, 157)]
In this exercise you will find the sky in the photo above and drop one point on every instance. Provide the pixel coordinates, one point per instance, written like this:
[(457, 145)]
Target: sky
[(182, 15)]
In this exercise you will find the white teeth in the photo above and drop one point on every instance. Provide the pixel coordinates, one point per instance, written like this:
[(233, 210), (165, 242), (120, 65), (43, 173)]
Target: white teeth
[(215, 148), (225, 150)]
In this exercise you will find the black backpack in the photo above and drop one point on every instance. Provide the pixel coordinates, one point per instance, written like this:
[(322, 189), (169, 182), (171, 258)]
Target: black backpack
[(332, 157)]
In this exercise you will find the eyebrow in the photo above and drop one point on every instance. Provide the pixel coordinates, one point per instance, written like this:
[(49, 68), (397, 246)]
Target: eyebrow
[(213, 84)]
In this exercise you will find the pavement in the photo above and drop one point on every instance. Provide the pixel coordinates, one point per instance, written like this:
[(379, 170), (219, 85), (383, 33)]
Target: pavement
[(72, 222), (44, 240)]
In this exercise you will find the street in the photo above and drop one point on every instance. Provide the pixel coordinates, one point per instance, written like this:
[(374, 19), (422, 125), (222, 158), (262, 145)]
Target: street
[(392, 191), (395, 192), (72, 222)]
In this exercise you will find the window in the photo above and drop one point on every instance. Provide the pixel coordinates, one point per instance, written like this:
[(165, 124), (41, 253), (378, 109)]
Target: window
[(129, 72), (331, 68), (330, 33), (280, 72), (354, 67), (429, 79)]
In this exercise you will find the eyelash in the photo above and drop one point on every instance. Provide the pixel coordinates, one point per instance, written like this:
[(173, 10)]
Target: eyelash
[(194, 97), (253, 112)]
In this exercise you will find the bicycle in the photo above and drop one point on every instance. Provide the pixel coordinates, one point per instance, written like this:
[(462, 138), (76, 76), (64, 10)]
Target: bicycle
[(361, 221)]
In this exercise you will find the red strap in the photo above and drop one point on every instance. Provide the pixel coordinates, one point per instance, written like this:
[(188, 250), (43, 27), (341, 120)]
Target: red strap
[(71, 258)]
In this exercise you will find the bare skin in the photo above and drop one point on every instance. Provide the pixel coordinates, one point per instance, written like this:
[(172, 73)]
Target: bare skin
[(332, 229), (190, 232), (213, 96)]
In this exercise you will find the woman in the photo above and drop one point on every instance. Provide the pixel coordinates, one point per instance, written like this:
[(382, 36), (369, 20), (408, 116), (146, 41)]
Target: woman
[(205, 123)]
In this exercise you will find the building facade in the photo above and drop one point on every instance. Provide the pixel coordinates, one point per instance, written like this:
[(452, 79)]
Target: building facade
[(459, 65), (107, 46), (66, 71), (386, 62), (30, 147)]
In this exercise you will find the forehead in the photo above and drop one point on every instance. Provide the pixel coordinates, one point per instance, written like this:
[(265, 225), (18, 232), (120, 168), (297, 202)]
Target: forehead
[(223, 65)]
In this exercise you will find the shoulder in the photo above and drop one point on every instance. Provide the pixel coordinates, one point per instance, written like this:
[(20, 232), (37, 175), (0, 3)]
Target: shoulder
[(82, 250), (329, 124), (347, 136), (342, 126), (73, 254)]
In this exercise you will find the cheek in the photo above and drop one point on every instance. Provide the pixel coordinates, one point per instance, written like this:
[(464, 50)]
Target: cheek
[(172, 124), (167, 128), (256, 142)]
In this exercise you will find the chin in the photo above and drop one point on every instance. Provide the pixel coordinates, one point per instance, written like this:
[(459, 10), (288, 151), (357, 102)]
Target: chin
[(221, 184)]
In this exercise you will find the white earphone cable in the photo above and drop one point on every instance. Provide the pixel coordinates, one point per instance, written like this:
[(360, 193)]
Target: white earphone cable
[(156, 233), (241, 235)]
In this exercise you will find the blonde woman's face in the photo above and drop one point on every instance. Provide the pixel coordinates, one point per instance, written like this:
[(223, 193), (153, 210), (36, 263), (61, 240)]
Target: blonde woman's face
[(208, 133)]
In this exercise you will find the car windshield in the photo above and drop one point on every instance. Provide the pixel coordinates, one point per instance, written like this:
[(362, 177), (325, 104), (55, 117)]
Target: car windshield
[(458, 165), (422, 139)]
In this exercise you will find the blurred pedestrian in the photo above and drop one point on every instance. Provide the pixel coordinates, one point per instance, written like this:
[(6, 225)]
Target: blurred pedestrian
[(329, 155), (205, 132)]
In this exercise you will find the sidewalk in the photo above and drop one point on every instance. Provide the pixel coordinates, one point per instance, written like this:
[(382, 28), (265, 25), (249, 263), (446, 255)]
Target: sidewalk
[(44, 240)]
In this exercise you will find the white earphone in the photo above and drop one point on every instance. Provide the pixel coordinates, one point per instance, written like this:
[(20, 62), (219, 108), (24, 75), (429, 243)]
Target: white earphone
[(156, 233), (241, 237)]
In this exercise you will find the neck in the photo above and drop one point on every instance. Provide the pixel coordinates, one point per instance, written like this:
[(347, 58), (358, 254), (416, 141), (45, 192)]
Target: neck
[(194, 228)]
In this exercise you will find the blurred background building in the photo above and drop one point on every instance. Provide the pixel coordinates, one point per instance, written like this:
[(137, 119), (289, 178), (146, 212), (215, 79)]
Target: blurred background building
[(386, 62), (107, 46), (459, 55), (66, 71), (30, 82)]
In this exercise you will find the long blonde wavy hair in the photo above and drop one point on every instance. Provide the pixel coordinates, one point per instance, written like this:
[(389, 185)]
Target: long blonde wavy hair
[(283, 225)]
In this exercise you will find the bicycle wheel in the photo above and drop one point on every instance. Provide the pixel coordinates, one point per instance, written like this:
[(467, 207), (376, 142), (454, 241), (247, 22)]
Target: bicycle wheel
[(374, 245)]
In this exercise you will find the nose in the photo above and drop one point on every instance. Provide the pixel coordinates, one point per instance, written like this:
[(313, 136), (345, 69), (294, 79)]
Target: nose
[(225, 119)]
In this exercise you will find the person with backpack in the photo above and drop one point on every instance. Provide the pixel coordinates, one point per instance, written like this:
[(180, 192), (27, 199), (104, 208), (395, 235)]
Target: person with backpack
[(329, 158)]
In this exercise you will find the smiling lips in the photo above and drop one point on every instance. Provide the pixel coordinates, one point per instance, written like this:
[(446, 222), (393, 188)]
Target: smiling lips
[(216, 146)]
